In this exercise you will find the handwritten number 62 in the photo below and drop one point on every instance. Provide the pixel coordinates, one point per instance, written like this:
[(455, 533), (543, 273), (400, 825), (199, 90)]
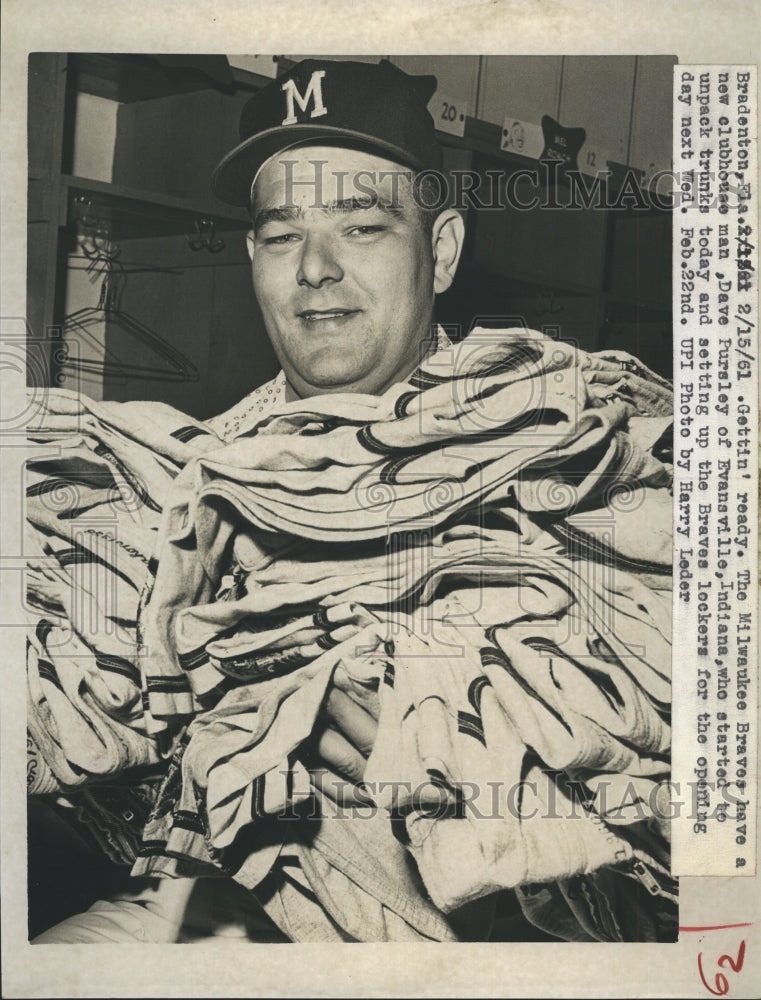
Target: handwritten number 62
[(720, 980)]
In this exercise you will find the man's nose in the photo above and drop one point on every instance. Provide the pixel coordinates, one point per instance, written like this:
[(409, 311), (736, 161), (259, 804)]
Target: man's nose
[(319, 261)]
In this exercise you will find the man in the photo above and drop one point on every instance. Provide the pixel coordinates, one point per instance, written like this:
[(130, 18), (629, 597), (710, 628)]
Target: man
[(349, 247), (346, 255), (338, 216)]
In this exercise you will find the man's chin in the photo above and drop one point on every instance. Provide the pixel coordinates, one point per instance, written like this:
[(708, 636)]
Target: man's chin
[(306, 391), (332, 383)]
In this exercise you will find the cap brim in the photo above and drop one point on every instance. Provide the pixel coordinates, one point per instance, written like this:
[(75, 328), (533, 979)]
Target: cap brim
[(233, 176)]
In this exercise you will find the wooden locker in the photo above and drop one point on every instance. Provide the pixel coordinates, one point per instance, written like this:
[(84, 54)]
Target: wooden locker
[(457, 76), (524, 87), (652, 114), (207, 312), (596, 94)]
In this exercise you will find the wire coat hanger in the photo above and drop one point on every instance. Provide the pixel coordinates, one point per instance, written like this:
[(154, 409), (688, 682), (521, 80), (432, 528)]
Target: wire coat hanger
[(171, 365)]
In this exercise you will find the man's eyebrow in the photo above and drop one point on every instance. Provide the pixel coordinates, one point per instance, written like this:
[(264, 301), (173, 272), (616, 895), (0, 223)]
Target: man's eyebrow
[(284, 214), (358, 204), (289, 213)]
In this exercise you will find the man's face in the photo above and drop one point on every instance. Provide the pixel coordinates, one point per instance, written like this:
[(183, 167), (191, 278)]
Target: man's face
[(347, 289)]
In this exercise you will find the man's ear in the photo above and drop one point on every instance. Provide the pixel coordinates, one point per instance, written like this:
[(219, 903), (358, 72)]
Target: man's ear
[(250, 243), (446, 241)]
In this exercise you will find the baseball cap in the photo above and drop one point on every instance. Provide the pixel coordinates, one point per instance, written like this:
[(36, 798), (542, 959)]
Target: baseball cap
[(377, 107)]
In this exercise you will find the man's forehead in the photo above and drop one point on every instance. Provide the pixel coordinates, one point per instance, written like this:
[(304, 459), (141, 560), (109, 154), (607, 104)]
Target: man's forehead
[(312, 174)]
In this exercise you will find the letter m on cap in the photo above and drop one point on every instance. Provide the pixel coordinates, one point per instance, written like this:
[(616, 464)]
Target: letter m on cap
[(313, 93)]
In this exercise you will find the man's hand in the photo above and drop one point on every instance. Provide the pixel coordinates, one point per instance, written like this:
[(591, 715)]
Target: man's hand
[(342, 742)]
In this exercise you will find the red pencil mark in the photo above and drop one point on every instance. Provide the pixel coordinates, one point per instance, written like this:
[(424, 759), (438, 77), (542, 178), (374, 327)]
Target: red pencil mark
[(720, 980), (715, 927)]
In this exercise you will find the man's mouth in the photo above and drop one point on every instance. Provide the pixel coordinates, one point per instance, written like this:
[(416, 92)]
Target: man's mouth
[(321, 315)]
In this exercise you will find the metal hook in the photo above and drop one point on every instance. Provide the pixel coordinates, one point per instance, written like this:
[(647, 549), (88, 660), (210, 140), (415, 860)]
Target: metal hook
[(548, 303), (81, 216), (204, 237)]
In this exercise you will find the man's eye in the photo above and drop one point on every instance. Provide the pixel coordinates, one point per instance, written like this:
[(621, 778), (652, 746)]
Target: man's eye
[(280, 239), (366, 230)]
